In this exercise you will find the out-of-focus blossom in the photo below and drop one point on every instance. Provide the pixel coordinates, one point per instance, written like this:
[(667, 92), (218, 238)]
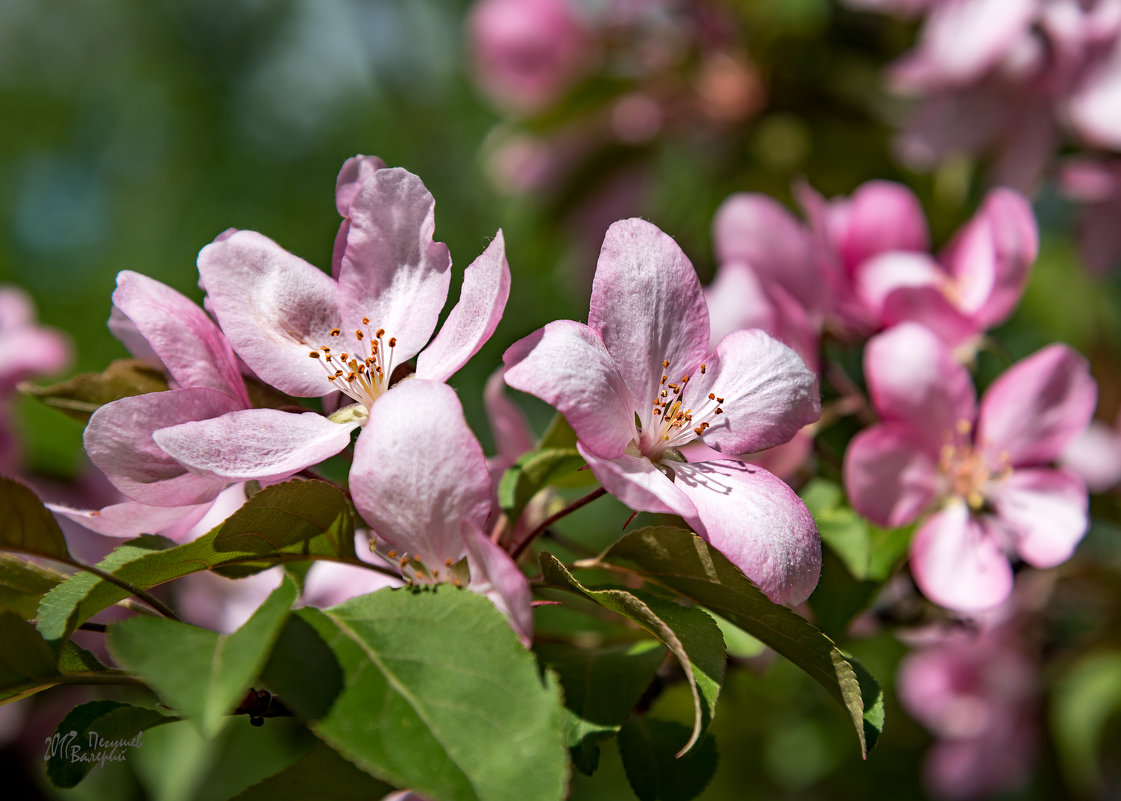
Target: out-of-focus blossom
[(1097, 184), (974, 688), (1011, 78), (360, 331), (527, 53), (26, 349), (639, 382), (982, 476), (1095, 455), (423, 487)]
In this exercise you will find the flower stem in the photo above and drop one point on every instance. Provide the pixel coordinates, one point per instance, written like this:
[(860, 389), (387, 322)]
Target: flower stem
[(517, 550)]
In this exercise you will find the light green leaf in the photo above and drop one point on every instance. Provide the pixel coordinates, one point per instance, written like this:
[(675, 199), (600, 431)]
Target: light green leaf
[(25, 524), (307, 777), (681, 561), (647, 747), (1086, 697), (842, 530), (601, 687), (690, 634), (532, 473), (440, 697), (296, 520), (115, 728), (23, 584), (195, 671), (81, 396)]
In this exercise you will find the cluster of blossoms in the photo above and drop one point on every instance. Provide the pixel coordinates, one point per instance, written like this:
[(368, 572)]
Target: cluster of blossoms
[(637, 384), (1015, 81)]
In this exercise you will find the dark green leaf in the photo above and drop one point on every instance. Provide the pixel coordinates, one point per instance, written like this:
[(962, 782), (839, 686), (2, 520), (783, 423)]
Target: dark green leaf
[(300, 652), (81, 396), (532, 473), (27, 664), (601, 687), (648, 746), (199, 673), (690, 634), (441, 697), (25, 524), (23, 584), (96, 730), (307, 777), (681, 561), (296, 520)]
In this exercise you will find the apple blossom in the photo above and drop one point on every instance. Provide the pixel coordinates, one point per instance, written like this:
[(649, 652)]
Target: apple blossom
[(638, 382)]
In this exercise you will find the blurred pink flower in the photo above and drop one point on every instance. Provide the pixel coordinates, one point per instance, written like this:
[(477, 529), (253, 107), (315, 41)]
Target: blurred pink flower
[(636, 385), (1095, 455), (982, 477), (1097, 184)]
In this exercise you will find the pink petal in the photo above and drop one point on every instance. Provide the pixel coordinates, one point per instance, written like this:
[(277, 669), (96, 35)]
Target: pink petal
[(647, 306), (566, 365), (419, 473), (119, 440), (757, 231), (878, 277), (1045, 511), (768, 393), (1095, 105), (495, 575), (331, 583), (914, 380), (355, 172), (127, 334), (992, 292), (512, 435), (392, 270), (274, 307), (1037, 406), (890, 477), (756, 521), (212, 601), (255, 444), (736, 299), (930, 308), (957, 561), (470, 323), (189, 344), (1095, 456), (131, 519), (880, 217), (636, 482)]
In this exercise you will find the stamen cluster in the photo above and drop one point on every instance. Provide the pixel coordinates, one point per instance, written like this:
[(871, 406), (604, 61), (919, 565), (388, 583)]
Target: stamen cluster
[(364, 375), (677, 420)]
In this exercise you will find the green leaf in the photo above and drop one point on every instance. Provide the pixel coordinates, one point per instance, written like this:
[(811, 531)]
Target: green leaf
[(296, 520), (300, 652), (195, 671), (25, 524), (94, 730), (307, 777), (441, 697), (559, 434), (842, 530), (23, 584), (532, 473), (81, 396), (647, 747), (601, 687), (1085, 699), (681, 561), (690, 634), (27, 664)]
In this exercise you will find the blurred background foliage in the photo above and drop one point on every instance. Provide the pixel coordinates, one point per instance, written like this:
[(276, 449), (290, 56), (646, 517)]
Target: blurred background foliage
[(135, 132)]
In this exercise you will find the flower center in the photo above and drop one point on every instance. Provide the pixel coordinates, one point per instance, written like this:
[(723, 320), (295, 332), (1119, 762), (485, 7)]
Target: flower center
[(966, 467), (364, 374), (676, 422)]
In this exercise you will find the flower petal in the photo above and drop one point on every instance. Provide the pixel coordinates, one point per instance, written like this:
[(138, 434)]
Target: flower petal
[(879, 217), (274, 308), (1046, 512), (355, 172), (255, 444), (482, 299), (647, 306), (1037, 406), (511, 432), (419, 472), (495, 575), (131, 519), (889, 475), (915, 381), (1095, 457), (768, 394), (957, 561), (392, 270), (756, 521), (566, 365), (188, 342), (119, 440), (636, 482), (878, 277)]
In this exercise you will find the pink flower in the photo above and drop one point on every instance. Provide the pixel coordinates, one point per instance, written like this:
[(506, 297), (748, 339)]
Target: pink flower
[(1097, 183), (423, 487), (528, 52), (983, 477), (1095, 455), (311, 335), (638, 383)]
